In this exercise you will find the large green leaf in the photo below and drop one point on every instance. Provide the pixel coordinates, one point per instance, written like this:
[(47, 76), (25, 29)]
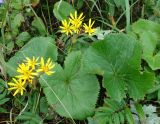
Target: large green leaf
[(71, 91), (118, 59), (62, 10), (38, 47), (149, 34)]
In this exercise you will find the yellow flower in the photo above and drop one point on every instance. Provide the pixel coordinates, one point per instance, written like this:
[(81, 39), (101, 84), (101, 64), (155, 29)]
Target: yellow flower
[(46, 68), (66, 27), (26, 73), (32, 62), (18, 85), (76, 21), (88, 29), (22, 68)]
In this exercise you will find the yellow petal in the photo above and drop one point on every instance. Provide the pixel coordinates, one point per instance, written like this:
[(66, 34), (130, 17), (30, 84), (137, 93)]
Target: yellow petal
[(12, 84), (14, 80), (42, 61), (15, 92), (12, 88)]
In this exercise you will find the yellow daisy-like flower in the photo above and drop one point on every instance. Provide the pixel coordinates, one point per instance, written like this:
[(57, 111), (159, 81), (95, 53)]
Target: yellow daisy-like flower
[(26, 73), (18, 86), (22, 68), (32, 62), (88, 29), (66, 27), (46, 68), (76, 21)]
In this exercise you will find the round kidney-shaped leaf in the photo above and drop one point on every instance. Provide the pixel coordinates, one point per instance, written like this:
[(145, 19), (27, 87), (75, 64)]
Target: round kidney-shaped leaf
[(71, 91)]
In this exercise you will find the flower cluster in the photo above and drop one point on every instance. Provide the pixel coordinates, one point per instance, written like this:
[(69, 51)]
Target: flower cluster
[(75, 25), (28, 71)]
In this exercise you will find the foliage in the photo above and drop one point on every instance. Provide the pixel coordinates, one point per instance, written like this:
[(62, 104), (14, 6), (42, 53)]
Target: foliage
[(3, 96), (30, 118), (120, 68), (38, 47), (113, 113), (148, 33), (62, 14), (71, 91), (55, 67)]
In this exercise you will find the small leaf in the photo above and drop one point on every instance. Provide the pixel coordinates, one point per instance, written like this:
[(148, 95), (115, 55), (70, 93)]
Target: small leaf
[(129, 116), (2, 95), (39, 25), (60, 13), (22, 38), (2, 101), (18, 19), (108, 114), (10, 47), (43, 105), (116, 119), (30, 118), (16, 23), (2, 110), (140, 112), (17, 4), (122, 118)]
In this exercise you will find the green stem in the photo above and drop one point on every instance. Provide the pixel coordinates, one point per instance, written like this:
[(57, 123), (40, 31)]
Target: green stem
[(120, 17), (127, 14)]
